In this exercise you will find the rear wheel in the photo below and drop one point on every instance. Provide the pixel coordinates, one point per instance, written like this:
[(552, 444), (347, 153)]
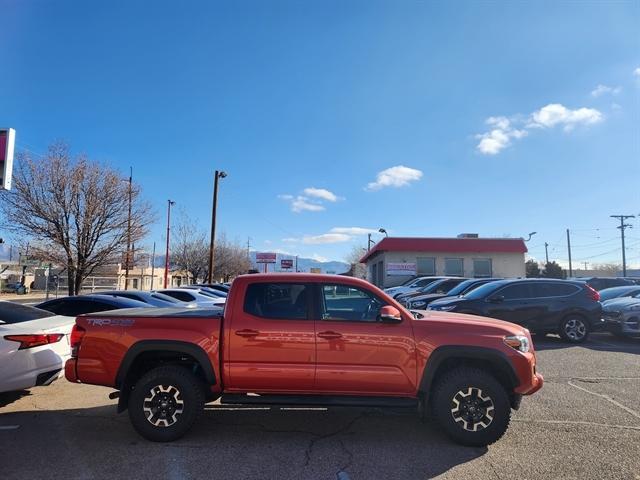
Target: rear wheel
[(165, 403), (471, 406), (574, 329)]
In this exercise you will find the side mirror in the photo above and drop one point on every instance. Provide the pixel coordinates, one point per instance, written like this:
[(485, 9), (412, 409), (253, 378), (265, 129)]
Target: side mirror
[(496, 299), (389, 314)]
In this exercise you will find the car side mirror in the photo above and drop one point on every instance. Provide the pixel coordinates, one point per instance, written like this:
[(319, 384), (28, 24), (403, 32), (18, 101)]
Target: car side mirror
[(496, 299), (389, 314)]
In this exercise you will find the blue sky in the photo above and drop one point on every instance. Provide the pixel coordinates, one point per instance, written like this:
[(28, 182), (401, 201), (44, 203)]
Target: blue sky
[(425, 118)]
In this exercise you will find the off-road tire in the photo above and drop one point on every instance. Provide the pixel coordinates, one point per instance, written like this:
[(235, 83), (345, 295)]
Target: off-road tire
[(466, 388), (174, 389)]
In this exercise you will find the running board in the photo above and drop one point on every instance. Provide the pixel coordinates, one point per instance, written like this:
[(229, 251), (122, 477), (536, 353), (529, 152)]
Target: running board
[(318, 400)]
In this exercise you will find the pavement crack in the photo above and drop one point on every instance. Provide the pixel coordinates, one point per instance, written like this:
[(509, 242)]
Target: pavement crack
[(607, 398), (308, 452), (576, 422)]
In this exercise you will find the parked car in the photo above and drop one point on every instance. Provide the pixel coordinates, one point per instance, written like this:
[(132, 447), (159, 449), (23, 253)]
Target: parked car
[(206, 291), (600, 283), (622, 316), (154, 299), (34, 344), (307, 339), (215, 286), (419, 302), (81, 304), (189, 295), (410, 285), (437, 287), (15, 287), (571, 309), (619, 292)]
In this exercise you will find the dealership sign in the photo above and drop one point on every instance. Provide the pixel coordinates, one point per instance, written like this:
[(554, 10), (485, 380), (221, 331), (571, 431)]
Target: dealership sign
[(404, 269), (286, 263), (7, 143), (265, 257)]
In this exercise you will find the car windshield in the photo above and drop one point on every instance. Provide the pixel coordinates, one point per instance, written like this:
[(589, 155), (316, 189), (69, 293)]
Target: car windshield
[(463, 287), (433, 286), (408, 282), (165, 298), (483, 290), (16, 313), (609, 293)]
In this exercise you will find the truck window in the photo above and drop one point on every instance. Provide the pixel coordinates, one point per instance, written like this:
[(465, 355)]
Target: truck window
[(340, 302), (282, 301)]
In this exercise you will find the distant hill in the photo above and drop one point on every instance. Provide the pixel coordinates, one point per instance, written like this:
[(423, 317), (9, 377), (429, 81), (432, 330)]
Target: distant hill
[(304, 264)]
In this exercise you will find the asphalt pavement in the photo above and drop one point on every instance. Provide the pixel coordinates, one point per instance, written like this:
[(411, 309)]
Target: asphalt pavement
[(583, 424)]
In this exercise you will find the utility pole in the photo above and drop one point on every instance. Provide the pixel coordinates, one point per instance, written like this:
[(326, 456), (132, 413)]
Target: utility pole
[(128, 259), (622, 227), (546, 251), (585, 266), (166, 256), (249, 248), (153, 265), (216, 177), (569, 249), (296, 263)]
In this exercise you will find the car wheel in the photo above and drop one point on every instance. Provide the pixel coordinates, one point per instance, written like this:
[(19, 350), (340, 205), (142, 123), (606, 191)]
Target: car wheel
[(471, 406), (574, 329), (165, 403)]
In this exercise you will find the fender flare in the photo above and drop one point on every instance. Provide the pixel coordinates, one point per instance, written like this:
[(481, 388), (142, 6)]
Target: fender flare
[(173, 346), (495, 357)]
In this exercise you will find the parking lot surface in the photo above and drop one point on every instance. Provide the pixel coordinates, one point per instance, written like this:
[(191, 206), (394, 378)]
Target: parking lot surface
[(584, 423)]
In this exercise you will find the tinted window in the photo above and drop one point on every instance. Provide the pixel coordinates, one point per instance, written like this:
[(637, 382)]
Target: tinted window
[(16, 313), (349, 303), (426, 266), (482, 267), (286, 301), (184, 296), (441, 286), (483, 291), (77, 306), (553, 289), (516, 291), (424, 282)]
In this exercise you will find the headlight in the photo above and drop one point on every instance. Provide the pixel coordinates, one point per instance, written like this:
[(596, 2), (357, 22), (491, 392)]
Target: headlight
[(519, 342), (418, 304)]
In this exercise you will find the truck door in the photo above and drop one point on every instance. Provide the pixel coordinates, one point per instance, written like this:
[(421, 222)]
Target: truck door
[(272, 340), (356, 353)]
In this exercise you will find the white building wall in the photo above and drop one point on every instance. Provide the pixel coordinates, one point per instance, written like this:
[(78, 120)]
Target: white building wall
[(505, 265)]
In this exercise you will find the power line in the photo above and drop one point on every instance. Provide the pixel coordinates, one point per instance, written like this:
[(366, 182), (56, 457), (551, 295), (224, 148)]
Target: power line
[(622, 228)]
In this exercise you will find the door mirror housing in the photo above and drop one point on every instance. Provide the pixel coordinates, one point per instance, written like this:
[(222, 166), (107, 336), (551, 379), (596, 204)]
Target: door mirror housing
[(496, 299), (390, 314)]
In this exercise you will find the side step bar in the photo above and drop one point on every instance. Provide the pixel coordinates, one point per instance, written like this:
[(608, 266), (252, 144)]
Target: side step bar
[(318, 400)]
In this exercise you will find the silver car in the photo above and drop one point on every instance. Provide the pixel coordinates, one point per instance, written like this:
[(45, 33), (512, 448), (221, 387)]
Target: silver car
[(622, 316)]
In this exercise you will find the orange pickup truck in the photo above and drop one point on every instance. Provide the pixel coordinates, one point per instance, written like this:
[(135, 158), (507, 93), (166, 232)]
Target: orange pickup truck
[(305, 339)]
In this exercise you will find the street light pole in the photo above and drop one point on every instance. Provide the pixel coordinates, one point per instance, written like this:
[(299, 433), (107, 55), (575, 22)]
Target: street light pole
[(546, 251), (128, 256), (218, 175), (166, 256)]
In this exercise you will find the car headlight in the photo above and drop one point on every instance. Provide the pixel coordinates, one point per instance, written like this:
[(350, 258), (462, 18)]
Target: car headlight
[(519, 342), (419, 304)]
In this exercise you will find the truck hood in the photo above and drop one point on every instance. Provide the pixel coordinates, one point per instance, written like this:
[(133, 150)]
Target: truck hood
[(469, 323)]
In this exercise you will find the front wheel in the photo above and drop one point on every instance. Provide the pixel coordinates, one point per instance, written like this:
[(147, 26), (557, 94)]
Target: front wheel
[(471, 406), (165, 403), (574, 329)]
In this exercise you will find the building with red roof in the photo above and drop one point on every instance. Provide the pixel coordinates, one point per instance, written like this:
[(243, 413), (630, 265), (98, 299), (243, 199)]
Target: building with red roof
[(393, 260)]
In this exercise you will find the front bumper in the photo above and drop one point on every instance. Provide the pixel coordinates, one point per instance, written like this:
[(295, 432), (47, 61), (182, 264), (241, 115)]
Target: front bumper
[(622, 323)]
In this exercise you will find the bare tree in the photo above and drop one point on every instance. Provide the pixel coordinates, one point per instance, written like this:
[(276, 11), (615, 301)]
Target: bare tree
[(358, 270), (75, 210), (231, 259), (190, 250)]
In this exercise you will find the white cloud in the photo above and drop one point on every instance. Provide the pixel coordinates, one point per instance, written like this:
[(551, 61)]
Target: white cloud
[(353, 230), (285, 197), (290, 240), (325, 238), (504, 130), (319, 258), (603, 89), (499, 137), (321, 193), (636, 72), (301, 203), (398, 176), (557, 114)]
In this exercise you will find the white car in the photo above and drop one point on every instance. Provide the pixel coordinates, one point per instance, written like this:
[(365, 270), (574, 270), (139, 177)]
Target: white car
[(410, 286), (202, 299), (34, 346)]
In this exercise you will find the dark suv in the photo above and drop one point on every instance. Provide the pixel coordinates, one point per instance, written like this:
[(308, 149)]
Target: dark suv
[(568, 308), (600, 283)]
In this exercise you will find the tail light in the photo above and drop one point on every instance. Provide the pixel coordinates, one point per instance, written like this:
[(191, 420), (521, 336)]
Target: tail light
[(592, 293), (77, 333), (37, 340)]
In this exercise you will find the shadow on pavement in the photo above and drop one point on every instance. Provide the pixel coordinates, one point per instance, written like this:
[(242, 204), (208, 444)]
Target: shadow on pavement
[(234, 442), (7, 398), (597, 341)]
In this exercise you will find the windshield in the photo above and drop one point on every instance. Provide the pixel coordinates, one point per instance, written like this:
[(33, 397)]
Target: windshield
[(408, 282), (15, 313), (433, 286), (483, 290), (462, 287), (609, 293), (164, 298)]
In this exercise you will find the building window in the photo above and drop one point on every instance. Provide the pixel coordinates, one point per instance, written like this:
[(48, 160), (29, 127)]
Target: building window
[(374, 274), (482, 268), (135, 283), (453, 267), (426, 266), (380, 273)]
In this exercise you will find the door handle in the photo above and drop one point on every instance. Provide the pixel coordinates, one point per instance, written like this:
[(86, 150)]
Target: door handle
[(247, 333), (330, 335)]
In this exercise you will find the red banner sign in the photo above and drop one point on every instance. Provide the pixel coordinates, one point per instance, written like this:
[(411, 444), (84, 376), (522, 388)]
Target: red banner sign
[(265, 257)]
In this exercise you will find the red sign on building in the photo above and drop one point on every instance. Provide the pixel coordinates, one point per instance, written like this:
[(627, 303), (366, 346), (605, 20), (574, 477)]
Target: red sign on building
[(265, 257), (286, 263)]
